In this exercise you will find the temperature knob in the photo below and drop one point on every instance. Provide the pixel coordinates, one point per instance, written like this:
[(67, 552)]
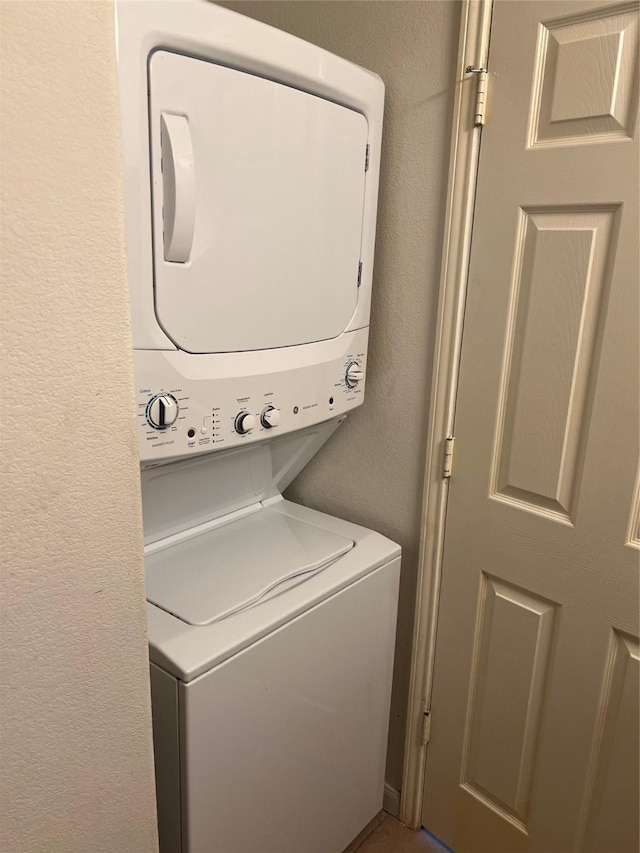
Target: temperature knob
[(162, 411), (245, 422), (270, 417), (354, 374)]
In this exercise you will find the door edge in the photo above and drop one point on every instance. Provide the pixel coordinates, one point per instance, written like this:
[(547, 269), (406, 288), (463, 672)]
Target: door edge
[(473, 50)]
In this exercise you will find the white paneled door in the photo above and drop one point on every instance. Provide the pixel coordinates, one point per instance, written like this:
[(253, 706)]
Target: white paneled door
[(534, 735)]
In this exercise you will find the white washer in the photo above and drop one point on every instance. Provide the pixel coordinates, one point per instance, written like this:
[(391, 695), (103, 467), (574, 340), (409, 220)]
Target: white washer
[(279, 746), (251, 166), (271, 637)]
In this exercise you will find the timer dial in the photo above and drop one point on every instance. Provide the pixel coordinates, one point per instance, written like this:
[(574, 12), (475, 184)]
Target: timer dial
[(245, 422), (162, 411), (354, 375), (270, 417)]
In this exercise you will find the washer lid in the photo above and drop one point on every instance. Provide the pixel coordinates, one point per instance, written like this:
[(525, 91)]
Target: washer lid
[(238, 566)]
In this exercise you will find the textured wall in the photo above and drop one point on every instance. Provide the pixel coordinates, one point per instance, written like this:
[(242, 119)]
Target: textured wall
[(371, 471), (75, 731)]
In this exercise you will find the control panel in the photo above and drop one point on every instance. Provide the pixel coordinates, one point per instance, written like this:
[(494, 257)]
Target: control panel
[(189, 404)]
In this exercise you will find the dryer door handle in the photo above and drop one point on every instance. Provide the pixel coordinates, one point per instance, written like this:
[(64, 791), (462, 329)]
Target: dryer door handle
[(179, 187)]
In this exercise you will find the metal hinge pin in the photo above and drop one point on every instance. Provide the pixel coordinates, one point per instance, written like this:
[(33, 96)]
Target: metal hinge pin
[(426, 726), (481, 94), (447, 463)]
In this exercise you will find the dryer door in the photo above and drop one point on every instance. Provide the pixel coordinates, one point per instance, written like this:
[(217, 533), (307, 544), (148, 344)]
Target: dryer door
[(258, 192)]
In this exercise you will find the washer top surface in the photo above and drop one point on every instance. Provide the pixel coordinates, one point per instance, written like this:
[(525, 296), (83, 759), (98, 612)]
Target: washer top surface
[(240, 565), (188, 651)]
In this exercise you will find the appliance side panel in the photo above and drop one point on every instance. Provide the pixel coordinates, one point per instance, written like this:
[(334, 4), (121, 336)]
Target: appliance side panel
[(309, 703), (166, 748)]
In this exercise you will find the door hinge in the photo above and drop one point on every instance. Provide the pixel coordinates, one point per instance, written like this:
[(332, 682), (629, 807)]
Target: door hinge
[(366, 158), (426, 727), (482, 81), (447, 463), (359, 273)]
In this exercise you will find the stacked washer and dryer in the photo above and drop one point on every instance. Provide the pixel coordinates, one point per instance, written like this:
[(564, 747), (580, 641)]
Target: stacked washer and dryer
[(251, 165)]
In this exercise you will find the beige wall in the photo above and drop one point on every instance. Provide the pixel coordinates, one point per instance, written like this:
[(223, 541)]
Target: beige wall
[(371, 471), (76, 754)]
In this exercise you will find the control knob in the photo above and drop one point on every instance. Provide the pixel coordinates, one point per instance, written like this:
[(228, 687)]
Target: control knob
[(245, 422), (354, 374), (162, 411), (270, 417)]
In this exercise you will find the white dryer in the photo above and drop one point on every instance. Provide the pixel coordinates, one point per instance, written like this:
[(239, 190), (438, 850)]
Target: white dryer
[(251, 175)]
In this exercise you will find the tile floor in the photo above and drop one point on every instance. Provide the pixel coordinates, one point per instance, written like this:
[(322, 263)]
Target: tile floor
[(387, 835)]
